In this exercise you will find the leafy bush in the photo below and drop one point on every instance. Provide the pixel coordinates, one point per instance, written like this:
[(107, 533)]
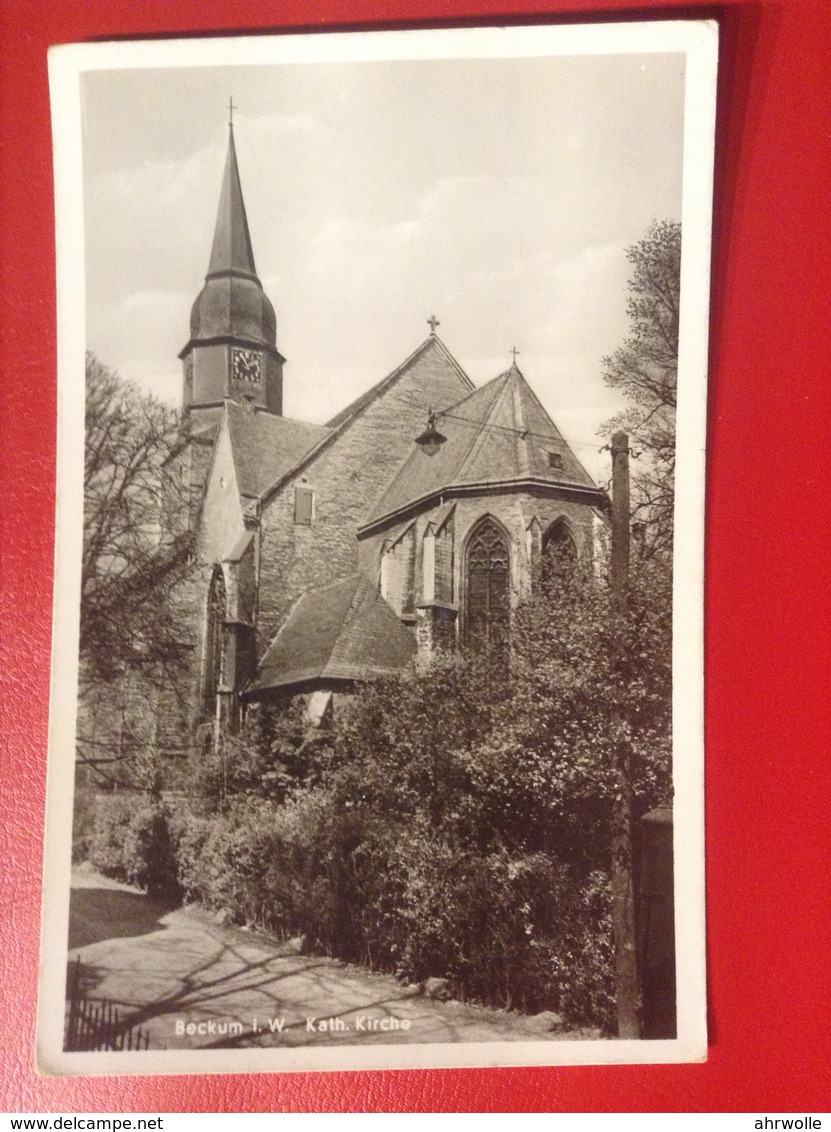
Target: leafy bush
[(456, 824), (514, 930), (150, 850), (113, 814), (247, 861), (274, 753), (132, 841), (83, 821)]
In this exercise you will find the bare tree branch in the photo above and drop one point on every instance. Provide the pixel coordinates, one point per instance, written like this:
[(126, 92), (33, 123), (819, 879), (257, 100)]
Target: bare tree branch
[(131, 564)]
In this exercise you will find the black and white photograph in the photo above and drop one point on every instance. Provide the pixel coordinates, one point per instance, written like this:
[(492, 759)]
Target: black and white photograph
[(377, 699)]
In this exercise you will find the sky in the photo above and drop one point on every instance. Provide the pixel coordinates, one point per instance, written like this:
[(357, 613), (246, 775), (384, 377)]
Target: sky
[(498, 194)]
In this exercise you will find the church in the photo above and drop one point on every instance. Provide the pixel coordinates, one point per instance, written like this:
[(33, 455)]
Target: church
[(413, 522)]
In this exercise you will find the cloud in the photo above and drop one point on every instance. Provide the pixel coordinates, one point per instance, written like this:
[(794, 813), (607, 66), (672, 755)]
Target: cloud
[(140, 336), (263, 128)]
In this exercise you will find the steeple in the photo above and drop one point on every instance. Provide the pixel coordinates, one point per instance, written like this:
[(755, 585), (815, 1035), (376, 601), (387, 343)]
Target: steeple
[(231, 251), (232, 352)]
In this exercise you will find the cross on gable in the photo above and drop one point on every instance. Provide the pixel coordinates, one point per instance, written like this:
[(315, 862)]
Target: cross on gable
[(514, 352), (433, 322), (231, 109)]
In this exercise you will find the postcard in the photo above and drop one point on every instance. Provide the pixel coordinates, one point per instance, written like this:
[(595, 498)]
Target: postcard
[(377, 702)]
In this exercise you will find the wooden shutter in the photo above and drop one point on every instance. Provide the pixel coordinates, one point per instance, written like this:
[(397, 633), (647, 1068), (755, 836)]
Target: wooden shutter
[(303, 506)]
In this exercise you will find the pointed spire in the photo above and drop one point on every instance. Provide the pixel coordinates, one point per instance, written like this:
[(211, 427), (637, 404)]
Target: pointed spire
[(232, 311), (231, 251)]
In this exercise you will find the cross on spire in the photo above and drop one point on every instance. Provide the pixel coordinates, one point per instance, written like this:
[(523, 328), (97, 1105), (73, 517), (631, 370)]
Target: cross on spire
[(514, 352), (433, 322), (231, 109)]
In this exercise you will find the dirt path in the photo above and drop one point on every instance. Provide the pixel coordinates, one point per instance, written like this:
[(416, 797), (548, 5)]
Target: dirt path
[(193, 983)]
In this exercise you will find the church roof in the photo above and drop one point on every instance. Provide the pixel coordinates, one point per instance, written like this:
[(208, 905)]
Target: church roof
[(499, 434), (432, 356), (342, 632), (265, 446), (231, 249), (232, 303), (431, 351)]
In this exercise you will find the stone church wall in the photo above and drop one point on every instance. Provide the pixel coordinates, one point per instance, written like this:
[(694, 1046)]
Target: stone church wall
[(221, 524), (179, 703), (347, 478), (515, 512)]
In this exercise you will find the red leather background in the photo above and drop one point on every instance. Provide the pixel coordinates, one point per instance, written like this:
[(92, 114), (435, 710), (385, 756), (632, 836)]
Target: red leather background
[(767, 583)]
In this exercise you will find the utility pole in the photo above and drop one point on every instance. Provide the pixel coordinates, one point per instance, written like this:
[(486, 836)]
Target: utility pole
[(623, 887)]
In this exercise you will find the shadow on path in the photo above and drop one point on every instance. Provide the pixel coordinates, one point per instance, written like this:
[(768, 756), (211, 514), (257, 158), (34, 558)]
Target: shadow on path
[(165, 969), (96, 914)]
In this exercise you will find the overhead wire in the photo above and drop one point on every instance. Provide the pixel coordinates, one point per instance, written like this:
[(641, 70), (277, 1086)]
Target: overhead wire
[(521, 433)]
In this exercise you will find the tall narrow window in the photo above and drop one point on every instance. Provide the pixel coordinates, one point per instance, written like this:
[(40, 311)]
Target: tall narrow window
[(304, 503), (559, 554), (487, 604), (214, 638)]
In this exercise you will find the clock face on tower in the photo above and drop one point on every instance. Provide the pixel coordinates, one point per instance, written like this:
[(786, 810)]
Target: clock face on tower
[(245, 365)]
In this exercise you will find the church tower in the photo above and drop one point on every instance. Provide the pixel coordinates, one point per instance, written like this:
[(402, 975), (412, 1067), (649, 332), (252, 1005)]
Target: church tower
[(232, 352)]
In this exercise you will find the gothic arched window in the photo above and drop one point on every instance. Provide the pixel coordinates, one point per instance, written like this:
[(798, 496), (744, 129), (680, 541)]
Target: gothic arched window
[(487, 585), (214, 638), (559, 554)]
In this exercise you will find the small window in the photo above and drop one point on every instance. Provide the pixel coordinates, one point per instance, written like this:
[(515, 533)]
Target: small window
[(304, 501), (555, 460)]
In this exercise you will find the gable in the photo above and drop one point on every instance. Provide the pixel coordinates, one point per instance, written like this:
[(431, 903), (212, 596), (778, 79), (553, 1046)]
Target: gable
[(431, 351), (498, 435), (221, 520), (431, 375), (346, 473)]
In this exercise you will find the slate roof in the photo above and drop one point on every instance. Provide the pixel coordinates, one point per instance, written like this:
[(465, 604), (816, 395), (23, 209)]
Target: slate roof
[(432, 353), (232, 302), (432, 348), (342, 632), (231, 250), (206, 435), (266, 446), (499, 433)]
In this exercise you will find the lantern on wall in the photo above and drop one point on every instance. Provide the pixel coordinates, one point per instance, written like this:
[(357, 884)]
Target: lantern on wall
[(431, 440)]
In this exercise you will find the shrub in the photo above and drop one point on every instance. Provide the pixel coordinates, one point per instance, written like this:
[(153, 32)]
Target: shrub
[(510, 929), (150, 851), (248, 862), (132, 841), (107, 847), (513, 930), (274, 753), (83, 821)]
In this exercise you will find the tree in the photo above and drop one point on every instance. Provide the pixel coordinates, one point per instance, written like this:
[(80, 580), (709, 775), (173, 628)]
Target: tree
[(132, 565), (460, 822), (645, 370)]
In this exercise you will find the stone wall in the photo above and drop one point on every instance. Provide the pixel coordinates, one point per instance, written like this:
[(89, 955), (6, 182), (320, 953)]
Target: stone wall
[(347, 477), (520, 513), (221, 525)]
